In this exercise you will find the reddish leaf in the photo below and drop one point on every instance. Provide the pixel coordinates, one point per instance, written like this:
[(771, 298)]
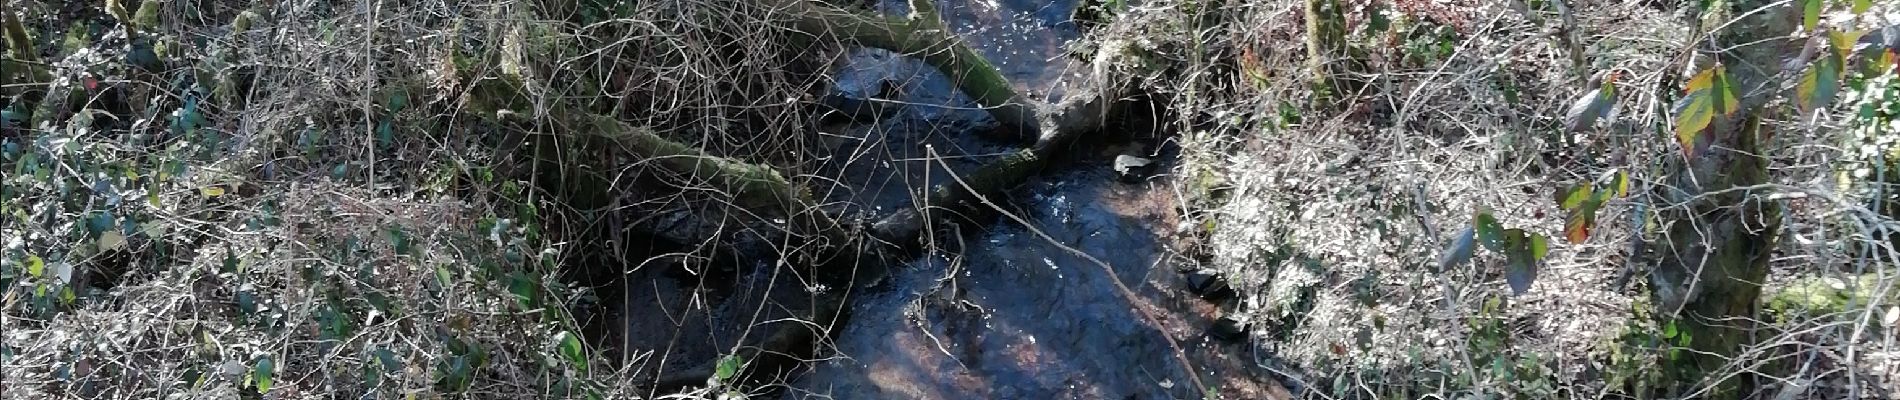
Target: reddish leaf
[(1577, 228)]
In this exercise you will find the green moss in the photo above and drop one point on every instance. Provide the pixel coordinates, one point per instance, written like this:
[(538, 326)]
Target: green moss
[(1818, 296)]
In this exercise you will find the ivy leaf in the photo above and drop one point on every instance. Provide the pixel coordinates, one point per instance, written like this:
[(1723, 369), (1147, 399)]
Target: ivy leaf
[(1810, 14), (1488, 229), (570, 347), (1819, 83), (728, 367), (1460, 250)]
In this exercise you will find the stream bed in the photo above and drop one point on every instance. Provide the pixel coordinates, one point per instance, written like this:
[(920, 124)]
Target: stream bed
[(1006, 310), (997, 308)]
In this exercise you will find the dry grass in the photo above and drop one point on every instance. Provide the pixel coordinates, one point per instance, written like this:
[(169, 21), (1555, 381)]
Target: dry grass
[(1330, 222), (345, 216), (364, 261)]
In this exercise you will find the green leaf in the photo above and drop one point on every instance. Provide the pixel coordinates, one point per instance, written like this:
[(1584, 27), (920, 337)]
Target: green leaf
[(570, 347), (1540, 247), (525, 290), (388, 360), (1489, 231), (1693, 113), (1861, 6), (728, 367), (1460, 251), (1843, 43), (1621, 183), (1574, 196), (1810, 14), (1709, 93), (399, 240), (1819, 84), (1521, 263), (1669, 329), (261, 374), (35, 267)]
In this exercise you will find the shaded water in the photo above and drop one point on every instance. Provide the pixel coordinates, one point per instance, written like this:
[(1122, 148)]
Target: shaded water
[(1004, 312)]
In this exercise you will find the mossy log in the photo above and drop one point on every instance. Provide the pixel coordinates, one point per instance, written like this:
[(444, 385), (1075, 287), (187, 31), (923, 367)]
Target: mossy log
[(1718, 245), (922, 35)]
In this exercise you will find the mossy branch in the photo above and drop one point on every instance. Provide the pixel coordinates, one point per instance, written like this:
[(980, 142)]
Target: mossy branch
[(19, 44)]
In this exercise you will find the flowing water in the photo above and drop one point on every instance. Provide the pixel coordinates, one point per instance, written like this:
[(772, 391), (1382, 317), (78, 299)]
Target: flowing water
[(1009, 310)]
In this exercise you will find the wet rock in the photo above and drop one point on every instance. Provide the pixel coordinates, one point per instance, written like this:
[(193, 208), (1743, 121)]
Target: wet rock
[(1227, 328), (1208, 284), (1132, 168)]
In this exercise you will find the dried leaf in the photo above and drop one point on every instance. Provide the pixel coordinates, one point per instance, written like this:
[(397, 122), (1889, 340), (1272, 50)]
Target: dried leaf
[(111, 240)]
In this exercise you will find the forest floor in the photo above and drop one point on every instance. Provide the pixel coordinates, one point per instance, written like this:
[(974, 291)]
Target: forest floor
[(296, 200)]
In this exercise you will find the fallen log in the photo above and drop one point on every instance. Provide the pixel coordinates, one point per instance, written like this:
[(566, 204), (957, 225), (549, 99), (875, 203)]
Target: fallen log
[(922, 35)]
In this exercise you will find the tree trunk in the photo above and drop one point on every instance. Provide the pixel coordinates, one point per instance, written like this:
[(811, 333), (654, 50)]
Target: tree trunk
[(1718, 243), (1334, 70)]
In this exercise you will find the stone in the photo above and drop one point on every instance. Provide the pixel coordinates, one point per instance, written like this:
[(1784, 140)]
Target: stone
[(1132, 168), (1208, 284), (1227, 328)]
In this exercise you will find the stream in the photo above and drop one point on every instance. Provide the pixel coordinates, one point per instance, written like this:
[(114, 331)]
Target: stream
[(1002, 311), (999, 309)]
